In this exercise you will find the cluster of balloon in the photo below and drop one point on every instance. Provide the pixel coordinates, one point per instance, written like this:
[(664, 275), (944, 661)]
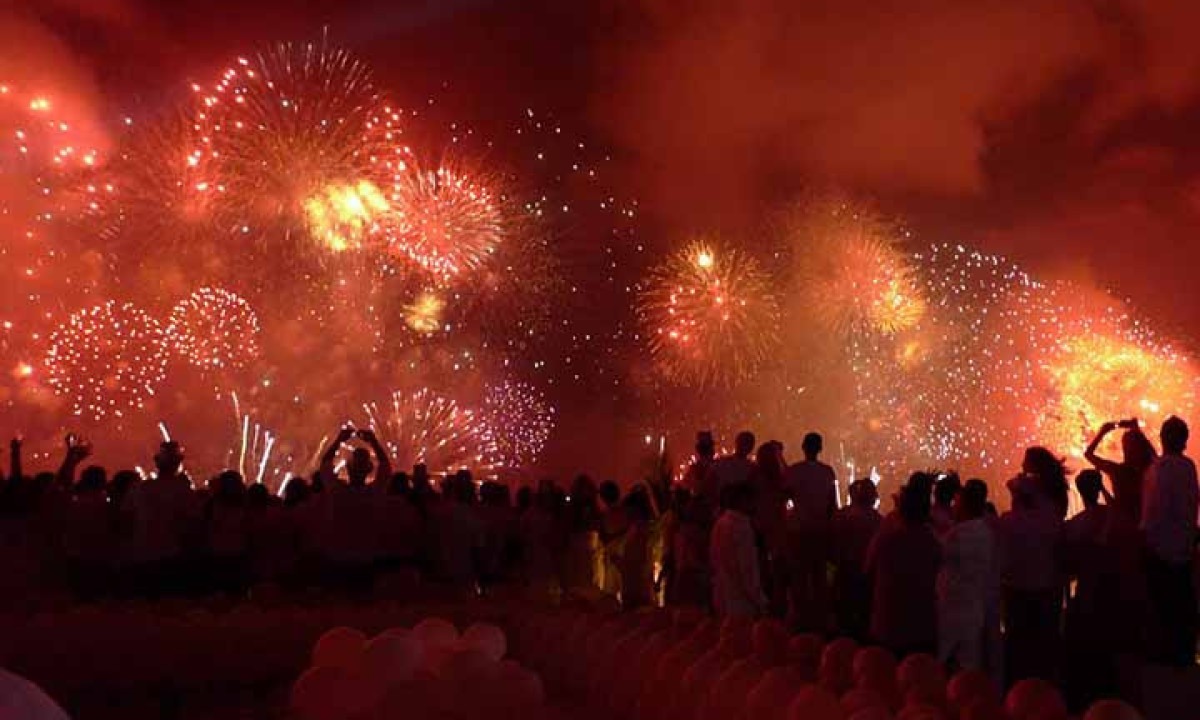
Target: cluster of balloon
[(665, 665), (429, 671)]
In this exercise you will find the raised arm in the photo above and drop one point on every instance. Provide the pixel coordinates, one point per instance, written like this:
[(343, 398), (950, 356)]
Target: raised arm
[(76, 451), (383, 463), (1102, 464), (327, 458)]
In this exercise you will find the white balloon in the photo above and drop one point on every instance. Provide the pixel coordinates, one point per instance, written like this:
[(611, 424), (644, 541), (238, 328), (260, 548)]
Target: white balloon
[(486, 638)]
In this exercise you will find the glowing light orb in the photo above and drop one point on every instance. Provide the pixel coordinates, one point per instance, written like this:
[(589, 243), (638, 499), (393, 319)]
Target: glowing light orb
[(424, 315), (213, 329), (106, 360), (341, 216), (709, 314)]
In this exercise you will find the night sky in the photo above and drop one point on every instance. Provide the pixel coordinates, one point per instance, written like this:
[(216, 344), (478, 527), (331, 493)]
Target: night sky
[(1059, 134)]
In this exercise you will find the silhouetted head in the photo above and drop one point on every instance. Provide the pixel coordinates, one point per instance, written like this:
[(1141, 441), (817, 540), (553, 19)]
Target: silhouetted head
[(1174, 435), (583, 491), (1136, 449), (946, 487), (706, 446), (914, 505), (971, 501), (1088, 483), (768, 457), (609, 493), (359, 466), (921, 482), (230, 485), (524, 497), (258, 496), (813, 445), (744, 444), (92, 479), (863, 493), (121, 483), (1051, 473), (295, 491), (168, 459), (637, 502)]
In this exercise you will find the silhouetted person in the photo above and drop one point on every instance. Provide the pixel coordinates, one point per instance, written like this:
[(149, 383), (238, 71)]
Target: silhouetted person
[(735, 468), (811, 485), (965, 581), (852, 529), (164, 510), (227, 536), (1090, 661), (1031, 538), (1044, 473), (945, 490), (903, 562), (686, 561), (1126, 477), (637, 573), (583, 525), (1169, 508), (737, 581), (699, 478)]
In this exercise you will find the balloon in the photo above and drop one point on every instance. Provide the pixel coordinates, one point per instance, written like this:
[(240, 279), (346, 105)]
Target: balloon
[(486, 638), (436, 633), (970, 686), (872, 713), (1112, 710), (804, 651), (1034, 699), (920, 671), (328, 692), (390, 659), (836, 672), (874, 666), (770, 697), (523, 688), (921, 712), (339, 647), (815, 703), (861, 699), (770, 642)]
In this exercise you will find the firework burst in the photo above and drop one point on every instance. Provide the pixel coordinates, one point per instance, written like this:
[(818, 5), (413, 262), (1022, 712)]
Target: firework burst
[(450, 220), (301, 143), (850, 271), (106, 360), (710, 315), (425, 427), (214, 329), (521, 420)]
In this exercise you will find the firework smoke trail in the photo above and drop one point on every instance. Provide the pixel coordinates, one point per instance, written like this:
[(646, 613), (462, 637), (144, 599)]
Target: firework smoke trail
[(709, 314)]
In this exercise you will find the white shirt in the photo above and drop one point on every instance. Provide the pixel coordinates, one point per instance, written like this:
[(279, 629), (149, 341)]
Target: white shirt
[(964, 586), (737, 586), (1169, 505)]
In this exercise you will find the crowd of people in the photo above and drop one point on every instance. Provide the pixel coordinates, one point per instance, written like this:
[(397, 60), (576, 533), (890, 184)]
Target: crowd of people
[(745, 534)]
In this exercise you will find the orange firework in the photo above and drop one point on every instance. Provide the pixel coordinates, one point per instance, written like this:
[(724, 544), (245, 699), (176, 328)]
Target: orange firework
[(850, 271), (1102, 375), (710, 315), (301, 144), (450, 220), (425, 427)]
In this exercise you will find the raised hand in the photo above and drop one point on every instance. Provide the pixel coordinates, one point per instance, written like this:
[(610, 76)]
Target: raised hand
[(345, 433), (367, 435)]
